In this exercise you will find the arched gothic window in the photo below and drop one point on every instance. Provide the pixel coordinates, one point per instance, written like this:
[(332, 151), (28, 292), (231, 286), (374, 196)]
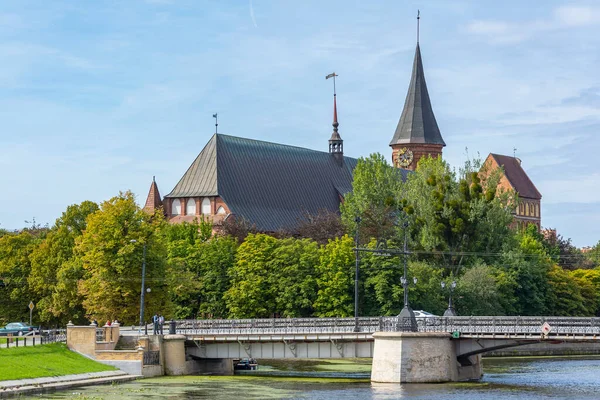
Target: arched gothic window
[(176, 207), (190, 207), (206, 206), (221, 210)]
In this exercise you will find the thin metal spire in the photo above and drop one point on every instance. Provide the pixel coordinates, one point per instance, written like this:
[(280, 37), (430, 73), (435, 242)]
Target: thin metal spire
[(215, 116), (335, 121), (418, 22)]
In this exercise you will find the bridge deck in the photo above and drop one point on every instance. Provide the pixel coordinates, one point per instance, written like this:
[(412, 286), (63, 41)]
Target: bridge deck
[(557, 328)]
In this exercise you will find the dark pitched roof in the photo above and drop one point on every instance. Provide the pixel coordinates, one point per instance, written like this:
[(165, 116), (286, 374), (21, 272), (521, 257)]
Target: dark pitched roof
[(417, 123), (269, 184), (517, 176), (153, 201), (201, 177)]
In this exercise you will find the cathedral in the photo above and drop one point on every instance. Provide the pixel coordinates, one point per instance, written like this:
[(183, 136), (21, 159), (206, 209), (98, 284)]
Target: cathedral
[(273, 185)]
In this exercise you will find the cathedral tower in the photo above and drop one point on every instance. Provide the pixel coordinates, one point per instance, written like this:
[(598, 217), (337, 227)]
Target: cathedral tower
[(417, 134)]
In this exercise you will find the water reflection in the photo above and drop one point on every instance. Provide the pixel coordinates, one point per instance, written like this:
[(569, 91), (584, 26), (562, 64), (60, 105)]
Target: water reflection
[(573, 378)]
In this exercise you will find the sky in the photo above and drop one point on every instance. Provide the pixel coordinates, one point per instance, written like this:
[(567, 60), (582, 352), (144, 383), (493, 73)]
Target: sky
[(99, 97)]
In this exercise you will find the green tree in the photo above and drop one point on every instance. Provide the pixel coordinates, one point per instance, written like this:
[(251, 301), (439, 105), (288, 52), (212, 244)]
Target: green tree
[(335, 279), (15, 266), (375, 189), (477, 292), (111, 253), (182, 242), (293, 277), (463, 220), (251, 294), (565, 296), (528, 265), (216, 258), (54, 272), (589, 280)]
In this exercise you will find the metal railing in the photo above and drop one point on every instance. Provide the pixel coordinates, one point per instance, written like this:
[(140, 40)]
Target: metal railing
[(464, 325), (278, 325), (100, 335), (498, 325), (152, 358)]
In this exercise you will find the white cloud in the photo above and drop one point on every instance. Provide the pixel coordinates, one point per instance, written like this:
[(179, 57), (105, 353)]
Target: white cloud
[(580, 189), (577, 15), (501, 32)]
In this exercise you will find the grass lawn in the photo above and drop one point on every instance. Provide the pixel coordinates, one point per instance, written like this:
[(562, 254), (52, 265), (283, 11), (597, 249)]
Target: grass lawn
[(47, 360)]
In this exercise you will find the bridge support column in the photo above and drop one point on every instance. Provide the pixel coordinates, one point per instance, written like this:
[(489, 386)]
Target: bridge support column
[(413, 357), (174, 354)]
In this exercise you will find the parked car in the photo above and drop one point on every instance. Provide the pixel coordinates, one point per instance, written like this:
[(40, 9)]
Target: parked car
[(19, 329), (424, 314)]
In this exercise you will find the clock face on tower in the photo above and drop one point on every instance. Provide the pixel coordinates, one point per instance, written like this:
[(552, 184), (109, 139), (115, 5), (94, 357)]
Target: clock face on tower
[(404, 157)]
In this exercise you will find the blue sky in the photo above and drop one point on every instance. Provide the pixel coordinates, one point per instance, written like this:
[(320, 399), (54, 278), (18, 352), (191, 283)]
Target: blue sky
[(97, 97)]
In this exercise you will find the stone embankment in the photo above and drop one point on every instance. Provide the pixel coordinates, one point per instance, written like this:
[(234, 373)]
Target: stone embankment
[(23, 387)]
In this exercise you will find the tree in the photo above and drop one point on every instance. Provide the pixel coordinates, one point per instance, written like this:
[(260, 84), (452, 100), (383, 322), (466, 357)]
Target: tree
[(182, 241), (111, 254), (380, 290), (565, 295), (293, 277), (216, 258), (321, 227), (477, 292), (251, 294), (237, 227), (594, 255), (589, 281), (335, 276), (464, 220), (54, 273), (15, 267), (374, 198), (528, 265), (567, 256)]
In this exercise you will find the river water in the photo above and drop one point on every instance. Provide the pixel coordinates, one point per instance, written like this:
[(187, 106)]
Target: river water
[(508, 378)]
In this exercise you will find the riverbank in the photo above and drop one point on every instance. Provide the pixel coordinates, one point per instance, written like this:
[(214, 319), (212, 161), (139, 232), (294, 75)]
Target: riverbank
[(50, 360), (22, 387)]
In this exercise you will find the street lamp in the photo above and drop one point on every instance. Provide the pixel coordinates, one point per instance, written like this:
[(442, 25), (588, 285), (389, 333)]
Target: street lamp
[(407, 314), (143, 283), (357, 262), (450, 312)]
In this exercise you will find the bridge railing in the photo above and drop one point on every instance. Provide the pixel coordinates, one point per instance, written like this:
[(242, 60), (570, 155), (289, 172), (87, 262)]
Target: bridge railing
[(558, 326), (279, 326)]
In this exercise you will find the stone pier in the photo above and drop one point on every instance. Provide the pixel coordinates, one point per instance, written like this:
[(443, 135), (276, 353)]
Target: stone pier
[(419, 357)]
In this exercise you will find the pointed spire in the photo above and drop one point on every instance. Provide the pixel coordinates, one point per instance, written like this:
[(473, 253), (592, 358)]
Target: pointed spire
[(417, 123), (153, 201), (335, 121), (336, 144)]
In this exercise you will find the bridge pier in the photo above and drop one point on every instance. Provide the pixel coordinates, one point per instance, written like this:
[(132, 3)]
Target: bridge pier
[(174, 353), (419, 357)]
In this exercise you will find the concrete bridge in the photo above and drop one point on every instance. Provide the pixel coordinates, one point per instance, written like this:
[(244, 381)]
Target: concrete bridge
[(439, 349)]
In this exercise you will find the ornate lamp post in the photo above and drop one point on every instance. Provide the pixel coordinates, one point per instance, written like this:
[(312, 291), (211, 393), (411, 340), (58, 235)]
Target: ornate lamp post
[(407, 317), (450, 312), (357, 258), (143, 283)]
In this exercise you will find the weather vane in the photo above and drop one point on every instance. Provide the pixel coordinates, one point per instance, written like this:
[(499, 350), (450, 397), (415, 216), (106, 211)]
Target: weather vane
[(418, 18), (216, 122), (332, 75)]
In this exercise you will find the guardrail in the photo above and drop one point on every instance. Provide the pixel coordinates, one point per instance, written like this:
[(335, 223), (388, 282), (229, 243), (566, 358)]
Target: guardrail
[(498, 325), (279, 325), (463, 325)]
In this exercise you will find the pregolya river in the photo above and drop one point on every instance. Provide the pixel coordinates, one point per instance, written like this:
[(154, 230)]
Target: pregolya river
[(507, 378)]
